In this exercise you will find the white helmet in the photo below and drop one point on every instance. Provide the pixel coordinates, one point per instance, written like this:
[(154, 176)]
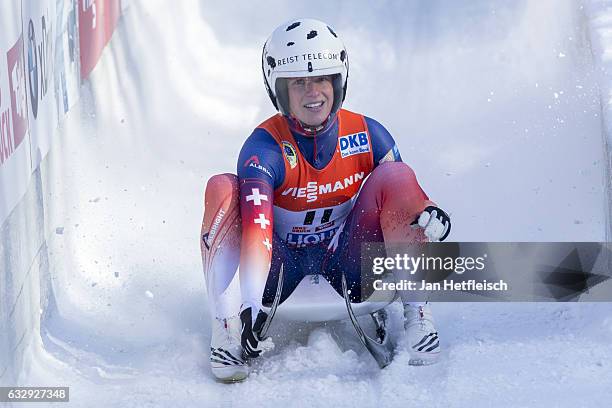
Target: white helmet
[(303, 48)]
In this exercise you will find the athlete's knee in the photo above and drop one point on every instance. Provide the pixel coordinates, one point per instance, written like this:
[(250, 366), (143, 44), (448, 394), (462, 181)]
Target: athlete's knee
[(222, 187), (395, 179), (221, 221), (221, 201), (394, 173), (398, 189)]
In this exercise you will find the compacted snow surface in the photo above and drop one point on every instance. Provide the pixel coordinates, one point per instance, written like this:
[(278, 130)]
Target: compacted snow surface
[(496, 105)]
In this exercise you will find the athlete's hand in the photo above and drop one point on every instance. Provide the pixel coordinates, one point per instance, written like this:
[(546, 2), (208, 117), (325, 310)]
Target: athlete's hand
[(252, 345), (435, 222)]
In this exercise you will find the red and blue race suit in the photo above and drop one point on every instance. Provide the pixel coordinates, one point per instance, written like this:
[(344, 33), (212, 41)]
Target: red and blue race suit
[(309, 201)]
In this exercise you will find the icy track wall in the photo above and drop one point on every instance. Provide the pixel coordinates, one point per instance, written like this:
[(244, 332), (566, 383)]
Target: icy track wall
[(47, 48)]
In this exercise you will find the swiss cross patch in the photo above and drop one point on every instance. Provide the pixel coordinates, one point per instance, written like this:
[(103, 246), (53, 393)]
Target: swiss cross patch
[(354, 144)]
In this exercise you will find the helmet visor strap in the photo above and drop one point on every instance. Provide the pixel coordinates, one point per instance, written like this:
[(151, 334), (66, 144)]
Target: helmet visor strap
[(338, 92), (282, 96)]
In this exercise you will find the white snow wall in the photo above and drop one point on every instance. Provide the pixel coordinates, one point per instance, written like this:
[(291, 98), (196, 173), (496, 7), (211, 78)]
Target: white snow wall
[(50, 46), (23, 280)]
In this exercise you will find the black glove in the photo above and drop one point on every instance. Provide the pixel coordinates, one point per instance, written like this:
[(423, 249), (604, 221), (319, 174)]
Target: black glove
[(436, 223), (252, 345)]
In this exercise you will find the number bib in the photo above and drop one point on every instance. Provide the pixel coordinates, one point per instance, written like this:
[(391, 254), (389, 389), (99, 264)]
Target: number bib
[(303, 228)]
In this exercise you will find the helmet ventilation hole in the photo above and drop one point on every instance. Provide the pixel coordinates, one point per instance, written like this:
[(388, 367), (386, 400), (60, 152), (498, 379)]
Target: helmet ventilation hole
[(312, 34), (294, 25)]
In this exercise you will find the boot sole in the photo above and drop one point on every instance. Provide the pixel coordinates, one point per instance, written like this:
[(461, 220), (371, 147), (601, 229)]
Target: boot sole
[(420, 359), (230, 375)]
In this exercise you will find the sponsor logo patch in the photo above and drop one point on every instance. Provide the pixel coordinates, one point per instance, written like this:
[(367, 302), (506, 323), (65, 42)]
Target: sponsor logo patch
[(389, 157), (216, 223), (290, 154), (303, 240), (356, 143), (208, 237), (253, 161), (325, 226), (313, 190), (300, 230)]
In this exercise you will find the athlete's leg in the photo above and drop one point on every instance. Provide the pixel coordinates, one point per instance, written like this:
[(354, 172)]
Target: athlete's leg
[(292, 273), (388, 203), (220, 245)]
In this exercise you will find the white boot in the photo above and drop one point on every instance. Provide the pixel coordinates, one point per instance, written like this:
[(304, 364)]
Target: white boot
[(226, 361), (421, 335)]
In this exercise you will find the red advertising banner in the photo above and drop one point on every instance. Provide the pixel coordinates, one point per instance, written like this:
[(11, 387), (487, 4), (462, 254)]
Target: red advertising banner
[(16, 77), (97, 21), (15, 163)]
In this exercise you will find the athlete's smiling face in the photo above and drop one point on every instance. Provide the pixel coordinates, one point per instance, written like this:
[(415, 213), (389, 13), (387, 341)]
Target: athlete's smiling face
[(311, 98)]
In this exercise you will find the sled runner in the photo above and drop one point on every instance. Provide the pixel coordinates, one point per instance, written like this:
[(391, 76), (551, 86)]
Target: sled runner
[(328, 305)]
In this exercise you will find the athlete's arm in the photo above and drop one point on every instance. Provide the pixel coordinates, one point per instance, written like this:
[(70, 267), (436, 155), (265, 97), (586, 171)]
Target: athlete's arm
[(260, 169), (383, 144)]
